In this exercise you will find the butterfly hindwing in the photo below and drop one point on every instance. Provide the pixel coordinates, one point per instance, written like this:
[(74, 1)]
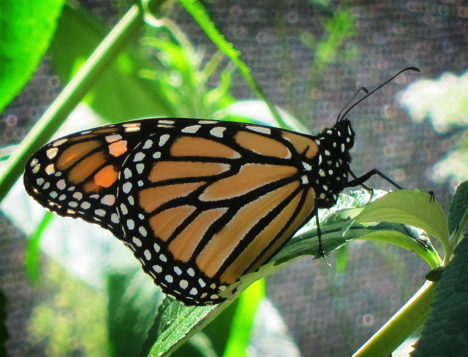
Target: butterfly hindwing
[(216, 200)]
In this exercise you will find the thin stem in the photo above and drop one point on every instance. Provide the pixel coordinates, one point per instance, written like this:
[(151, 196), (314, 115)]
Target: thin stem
[(402, 325)]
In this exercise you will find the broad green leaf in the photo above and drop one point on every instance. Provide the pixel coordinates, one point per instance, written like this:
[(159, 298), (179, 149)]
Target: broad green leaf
[(445, 331), (414, 208), (129, 314), (26, 28), (458, 210), (419, 247), (176, 323)]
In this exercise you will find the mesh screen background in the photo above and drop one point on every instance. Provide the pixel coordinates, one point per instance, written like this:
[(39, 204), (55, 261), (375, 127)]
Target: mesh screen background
[(327, 314)]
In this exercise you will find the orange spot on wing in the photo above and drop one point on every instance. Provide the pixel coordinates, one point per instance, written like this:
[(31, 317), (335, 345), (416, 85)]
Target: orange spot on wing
[(183, 246), (86, 167), (118, 148), (106, 176), (90, 187), (262, 145), (166, 170), (199, 147), (165, 223), (153, 197), (75, 153), (250, 177)]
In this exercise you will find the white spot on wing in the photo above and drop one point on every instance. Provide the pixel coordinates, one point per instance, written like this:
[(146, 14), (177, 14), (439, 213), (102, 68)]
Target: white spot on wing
[(127, 173), (115, 218), (50, 169), (218, 131), (61, 184), (163, 139), (108, 200), (59, 142), (51, 153), (127, 186), (100, 212), (113, 138), (259, 129), (140, 167), (148, 144), (138, 156), (166, 121), (85, 205), (191, 129)]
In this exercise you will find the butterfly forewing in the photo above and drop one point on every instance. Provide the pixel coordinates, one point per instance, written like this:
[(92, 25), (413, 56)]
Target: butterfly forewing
[(77, 175), (199, 202)]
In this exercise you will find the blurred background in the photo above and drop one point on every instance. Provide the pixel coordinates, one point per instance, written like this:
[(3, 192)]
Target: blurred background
[(309, 57)]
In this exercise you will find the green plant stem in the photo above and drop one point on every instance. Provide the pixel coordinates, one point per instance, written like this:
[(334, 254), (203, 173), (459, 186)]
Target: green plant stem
[(71, 95), (391, 335)]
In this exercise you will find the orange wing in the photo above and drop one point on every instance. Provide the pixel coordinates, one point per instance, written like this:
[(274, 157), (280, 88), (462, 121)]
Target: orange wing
[(199, 202)]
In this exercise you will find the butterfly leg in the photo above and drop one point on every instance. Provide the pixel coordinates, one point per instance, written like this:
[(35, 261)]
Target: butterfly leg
[(364, 186), (358, 181), (319, 232)]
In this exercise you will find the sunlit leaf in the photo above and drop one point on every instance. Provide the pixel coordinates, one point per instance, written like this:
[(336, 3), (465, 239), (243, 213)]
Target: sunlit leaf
[(26, 28)]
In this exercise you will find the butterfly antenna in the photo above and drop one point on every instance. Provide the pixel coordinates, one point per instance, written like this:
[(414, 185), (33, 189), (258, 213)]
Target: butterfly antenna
[(376, 89), (364, 89)]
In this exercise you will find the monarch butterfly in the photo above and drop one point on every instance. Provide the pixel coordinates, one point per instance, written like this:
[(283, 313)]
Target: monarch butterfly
[(199, 202)]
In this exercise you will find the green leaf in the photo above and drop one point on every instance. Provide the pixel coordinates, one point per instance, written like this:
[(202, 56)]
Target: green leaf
[(446, 330), (243, 321), (418, 246), (26, 28), (33, 249), (176, 323), (129, 314), (414, 208), (458, 210)]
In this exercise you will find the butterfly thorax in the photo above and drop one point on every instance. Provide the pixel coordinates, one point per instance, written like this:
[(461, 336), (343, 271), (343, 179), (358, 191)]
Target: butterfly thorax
[(331, 165)]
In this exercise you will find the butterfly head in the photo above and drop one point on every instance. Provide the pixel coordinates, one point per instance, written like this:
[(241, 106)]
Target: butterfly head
[(333, 162)]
